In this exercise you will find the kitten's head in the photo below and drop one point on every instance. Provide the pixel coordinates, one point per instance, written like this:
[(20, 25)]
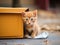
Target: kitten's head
[(29, 18)]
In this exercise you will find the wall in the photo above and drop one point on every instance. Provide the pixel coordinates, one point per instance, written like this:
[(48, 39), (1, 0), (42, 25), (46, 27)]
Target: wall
[(27, 2), (6, 3)]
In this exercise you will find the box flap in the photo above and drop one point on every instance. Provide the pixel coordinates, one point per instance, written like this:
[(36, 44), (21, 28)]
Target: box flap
[(12, 10)]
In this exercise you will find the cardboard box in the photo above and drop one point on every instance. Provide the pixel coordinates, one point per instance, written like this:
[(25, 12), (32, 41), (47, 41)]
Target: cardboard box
[(11, 24)]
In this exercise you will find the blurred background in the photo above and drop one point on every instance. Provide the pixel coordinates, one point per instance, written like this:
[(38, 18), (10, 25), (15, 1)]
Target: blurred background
[(40, 4)]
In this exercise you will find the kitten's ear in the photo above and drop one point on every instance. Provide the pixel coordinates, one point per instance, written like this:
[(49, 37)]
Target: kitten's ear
[(35, 12), (23, 14)]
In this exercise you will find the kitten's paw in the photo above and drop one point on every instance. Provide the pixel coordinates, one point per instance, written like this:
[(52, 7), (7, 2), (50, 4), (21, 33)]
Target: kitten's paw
[(33, 36), (27, 36)]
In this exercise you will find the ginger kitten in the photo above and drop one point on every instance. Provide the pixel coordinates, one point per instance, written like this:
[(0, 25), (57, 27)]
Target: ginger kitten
[(32, 29)]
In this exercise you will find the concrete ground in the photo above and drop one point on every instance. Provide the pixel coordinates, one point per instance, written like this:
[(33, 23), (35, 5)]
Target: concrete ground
[(53, 39)]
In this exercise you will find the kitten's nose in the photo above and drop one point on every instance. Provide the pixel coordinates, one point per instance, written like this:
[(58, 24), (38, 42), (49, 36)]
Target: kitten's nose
[(29, 23)]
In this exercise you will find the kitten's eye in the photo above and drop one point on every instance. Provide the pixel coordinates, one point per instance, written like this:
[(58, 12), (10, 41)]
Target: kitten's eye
[(31, 18), (26, 19)]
